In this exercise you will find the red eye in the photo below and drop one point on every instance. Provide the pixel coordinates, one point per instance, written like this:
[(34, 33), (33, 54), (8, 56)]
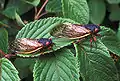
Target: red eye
[(47, 43), (96, 30), (50, 38)]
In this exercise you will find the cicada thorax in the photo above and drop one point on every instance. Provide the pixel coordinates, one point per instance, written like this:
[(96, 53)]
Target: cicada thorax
[(27, 45)]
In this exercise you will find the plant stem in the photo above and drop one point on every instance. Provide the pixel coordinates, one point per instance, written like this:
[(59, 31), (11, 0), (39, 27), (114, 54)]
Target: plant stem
[(40, 10), (43, 14)]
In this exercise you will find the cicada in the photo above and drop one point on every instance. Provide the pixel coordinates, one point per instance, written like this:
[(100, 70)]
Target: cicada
[(74, 31), (28, 46)]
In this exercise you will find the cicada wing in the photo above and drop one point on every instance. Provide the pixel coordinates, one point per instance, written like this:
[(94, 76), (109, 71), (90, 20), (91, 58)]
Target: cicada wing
[(29, 52), (26, 45), (71, 31), (58, 31)]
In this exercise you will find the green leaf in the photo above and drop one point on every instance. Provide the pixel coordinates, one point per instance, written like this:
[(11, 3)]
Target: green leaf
[(40, 29), (10, 12), (118, 32), (115, 11), (54, 6), (3, 40), (32, 2), (2, 4), (76, 10), (9, 72), (19, 20), (113, 1), (62, 66), (95, 62), (14, 6), (23, 66), (97, 6), (3, 24), (118, 67), (110, 40), (23, 63)]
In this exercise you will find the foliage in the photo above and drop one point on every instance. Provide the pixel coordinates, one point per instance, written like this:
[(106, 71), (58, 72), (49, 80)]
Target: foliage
[(66, 61)]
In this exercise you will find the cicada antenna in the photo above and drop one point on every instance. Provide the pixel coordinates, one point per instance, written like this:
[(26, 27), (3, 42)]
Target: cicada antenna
[(93, 39)]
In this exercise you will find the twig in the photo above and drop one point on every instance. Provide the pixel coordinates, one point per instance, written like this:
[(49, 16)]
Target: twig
[(4, 24), (1, 52), (38, 14), (43, 14), (35, 12), (7, 55)]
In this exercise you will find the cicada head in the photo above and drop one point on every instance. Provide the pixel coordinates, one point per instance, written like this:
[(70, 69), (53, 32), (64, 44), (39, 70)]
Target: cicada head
[(46, 42), (93, 28)]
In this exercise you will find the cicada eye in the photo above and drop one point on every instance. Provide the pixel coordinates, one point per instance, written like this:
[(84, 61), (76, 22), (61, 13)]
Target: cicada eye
[(50, 38), (47, 43), (96, 30)]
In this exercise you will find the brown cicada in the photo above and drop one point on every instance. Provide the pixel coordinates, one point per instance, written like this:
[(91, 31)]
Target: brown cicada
[(74, 31), (27, 45)]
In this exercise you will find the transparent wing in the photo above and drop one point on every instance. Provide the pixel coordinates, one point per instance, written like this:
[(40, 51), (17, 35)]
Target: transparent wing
[(26, 45), (71, 31)]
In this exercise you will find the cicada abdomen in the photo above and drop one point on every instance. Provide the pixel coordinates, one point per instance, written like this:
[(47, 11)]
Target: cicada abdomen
[(27, 45)]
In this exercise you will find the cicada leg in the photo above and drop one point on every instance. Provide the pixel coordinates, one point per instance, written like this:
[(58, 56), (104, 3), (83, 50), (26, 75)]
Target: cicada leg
[(9, 55), (77, 41), (49, 48), (97, 35), (6, 55), (93, 39), (1, 52)]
